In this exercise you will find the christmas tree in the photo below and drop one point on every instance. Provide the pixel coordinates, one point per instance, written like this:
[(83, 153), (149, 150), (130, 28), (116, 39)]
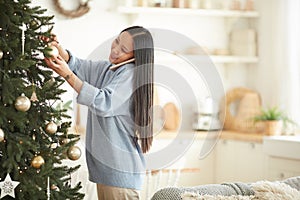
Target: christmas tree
[(34, 131)]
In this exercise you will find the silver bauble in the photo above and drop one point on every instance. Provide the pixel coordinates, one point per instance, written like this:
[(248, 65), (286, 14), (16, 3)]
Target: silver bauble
[(22, 103), (74, 153), (51, 128)]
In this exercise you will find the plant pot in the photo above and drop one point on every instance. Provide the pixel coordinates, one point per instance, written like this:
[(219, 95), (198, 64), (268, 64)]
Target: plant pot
[(273, 127)]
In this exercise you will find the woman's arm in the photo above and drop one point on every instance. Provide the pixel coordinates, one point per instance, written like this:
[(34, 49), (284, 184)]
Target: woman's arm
[(59, 65)]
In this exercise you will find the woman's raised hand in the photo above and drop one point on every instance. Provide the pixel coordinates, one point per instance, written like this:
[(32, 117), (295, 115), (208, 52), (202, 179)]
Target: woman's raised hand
[(59, 65), (54, 42)]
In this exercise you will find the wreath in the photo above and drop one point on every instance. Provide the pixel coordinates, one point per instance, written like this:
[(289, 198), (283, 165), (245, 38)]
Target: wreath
[(82, 9)]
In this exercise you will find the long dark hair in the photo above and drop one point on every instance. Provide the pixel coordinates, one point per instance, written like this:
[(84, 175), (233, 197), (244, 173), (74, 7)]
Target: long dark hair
[(142, 99)]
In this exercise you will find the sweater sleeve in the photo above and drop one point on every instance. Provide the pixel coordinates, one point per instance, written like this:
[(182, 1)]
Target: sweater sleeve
[(111, 100), (85, 69)]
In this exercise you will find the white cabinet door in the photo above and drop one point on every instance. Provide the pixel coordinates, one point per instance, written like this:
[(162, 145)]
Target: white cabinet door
[(205, 174), (239, 161), (194, 171), (281, 168), (225, 163)]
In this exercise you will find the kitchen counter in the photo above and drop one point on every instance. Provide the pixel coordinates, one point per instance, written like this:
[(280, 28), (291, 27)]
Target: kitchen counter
[(226, 135)]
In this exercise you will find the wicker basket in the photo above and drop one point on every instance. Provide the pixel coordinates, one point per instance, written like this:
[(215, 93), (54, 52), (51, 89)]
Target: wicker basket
[(273, 127), (248, 106)]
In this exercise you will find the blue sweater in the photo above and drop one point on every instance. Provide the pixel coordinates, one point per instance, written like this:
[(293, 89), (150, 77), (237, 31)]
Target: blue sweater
[(113, 157)]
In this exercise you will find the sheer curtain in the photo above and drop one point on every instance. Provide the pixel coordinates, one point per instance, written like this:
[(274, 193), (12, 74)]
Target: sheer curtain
[(288, 57)]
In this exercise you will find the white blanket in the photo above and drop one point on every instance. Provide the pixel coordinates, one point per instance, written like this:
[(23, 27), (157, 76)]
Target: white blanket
[(264, 190)]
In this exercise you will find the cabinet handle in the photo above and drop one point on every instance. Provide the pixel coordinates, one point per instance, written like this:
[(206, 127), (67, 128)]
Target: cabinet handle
[(281, 175)]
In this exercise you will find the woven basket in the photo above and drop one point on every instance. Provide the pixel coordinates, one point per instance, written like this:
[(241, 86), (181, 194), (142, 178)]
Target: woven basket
[(248, 106), (273, 127)]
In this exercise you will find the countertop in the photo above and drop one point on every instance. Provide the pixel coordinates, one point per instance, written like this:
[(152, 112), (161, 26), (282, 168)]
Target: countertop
[(222, 134)]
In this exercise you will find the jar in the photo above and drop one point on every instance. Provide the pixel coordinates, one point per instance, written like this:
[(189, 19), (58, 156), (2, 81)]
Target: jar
[(179, 3)]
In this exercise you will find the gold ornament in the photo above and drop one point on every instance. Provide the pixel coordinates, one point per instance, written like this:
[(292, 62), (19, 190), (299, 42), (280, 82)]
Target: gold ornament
[(33, 97), (74, 153), (37, 162), (54, 145), (51, 128), (54, 187), (1, 54), (1, 135), (64, 141), (22, 103)]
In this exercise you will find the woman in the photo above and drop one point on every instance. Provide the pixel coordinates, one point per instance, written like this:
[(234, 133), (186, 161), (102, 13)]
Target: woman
[(119, 95)]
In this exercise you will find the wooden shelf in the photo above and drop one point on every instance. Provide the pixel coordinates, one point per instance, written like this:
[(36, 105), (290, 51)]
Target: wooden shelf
[(188, 11)]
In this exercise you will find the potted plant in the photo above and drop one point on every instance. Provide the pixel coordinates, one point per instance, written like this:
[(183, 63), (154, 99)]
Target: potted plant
[(274, 120)]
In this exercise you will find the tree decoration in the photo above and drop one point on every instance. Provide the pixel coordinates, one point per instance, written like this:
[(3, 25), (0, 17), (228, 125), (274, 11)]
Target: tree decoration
[(1, 54), (51, 128), (22, 103), (23, 120), (33, 97), (64, 141), (54, 145), (54, 187), (48, 188), (2, 135), (51, 51), (82, 9), (74, 153), (37, 162), (8, 187), (23, 28)]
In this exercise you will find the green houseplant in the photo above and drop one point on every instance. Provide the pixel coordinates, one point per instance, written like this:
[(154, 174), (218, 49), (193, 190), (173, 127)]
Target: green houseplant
[(274, 120)]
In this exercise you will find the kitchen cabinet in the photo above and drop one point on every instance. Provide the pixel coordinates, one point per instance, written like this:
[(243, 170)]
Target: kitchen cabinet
[(186, 170), (283, 159), (235, 157), (279, 168), (194, 171), (239, 161)]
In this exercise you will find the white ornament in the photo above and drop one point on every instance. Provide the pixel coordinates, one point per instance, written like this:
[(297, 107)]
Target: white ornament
[(8, 187), (23, 28), (1, 54), (53, 51)]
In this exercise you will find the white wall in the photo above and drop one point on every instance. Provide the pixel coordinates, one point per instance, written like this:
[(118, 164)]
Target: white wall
[(82, 35)]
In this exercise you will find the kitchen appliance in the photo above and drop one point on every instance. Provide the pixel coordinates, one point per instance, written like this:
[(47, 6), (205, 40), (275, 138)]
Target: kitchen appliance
[(206, 117)]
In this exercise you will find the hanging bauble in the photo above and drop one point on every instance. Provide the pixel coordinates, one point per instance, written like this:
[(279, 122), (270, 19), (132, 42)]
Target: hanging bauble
[(54, 145), (1, 135), (37, 162), (51, 51), (22, 103), (50, 82), (51, 128), (64, 141), (33, 97), (1, 54), (55, 188), (74, 153)]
